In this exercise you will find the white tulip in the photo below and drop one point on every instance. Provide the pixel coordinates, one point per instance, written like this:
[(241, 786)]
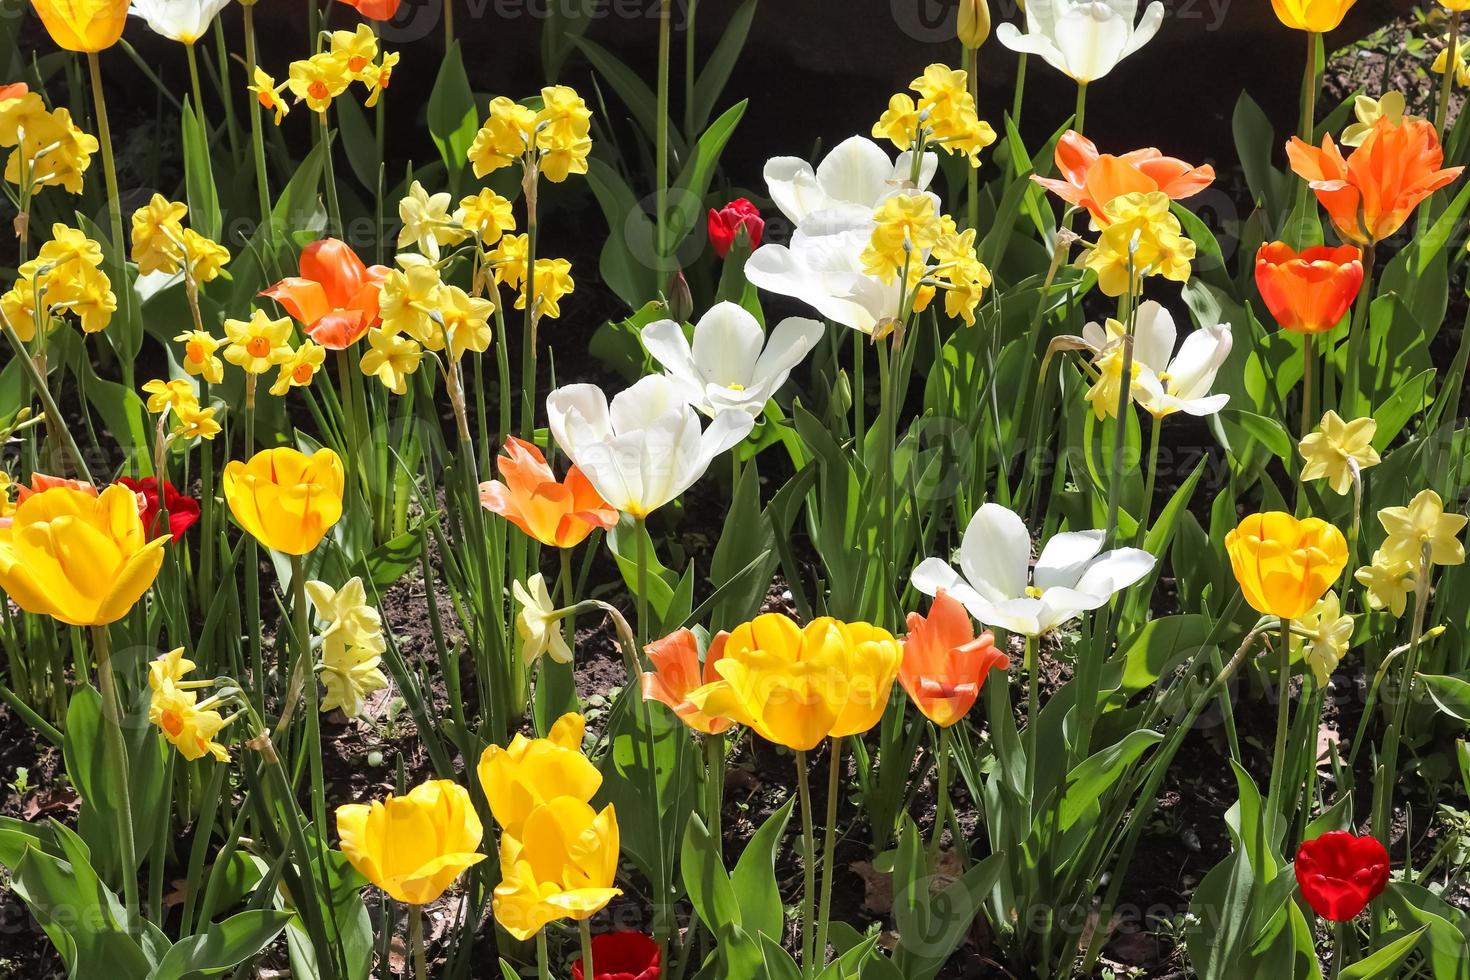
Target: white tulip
[(858, 174), (999, 588), (1165, 382), (726, 368), (647, 448), (185, 21), (1083, 39)]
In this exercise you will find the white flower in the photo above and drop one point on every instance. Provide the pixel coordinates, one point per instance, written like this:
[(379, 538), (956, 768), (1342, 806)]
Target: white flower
[(538, 624), (427, 221), (647, 448), (178, 20), (1328, 634), (1083, 39), (350, 675), (726, 367), (1164, 382), (997, 585), (856, 175)]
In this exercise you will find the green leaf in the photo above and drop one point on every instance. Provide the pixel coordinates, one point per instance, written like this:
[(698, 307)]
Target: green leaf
[(1450, 694), (1091, 778), (721, 62), (632, 91), (453, 119), (1384, 963), (686, 198), (1268, 431), (199, 189), (224, 945), (703, 869), (754, 877)]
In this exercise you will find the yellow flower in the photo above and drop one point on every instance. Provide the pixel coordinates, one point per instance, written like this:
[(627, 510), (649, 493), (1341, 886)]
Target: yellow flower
[(377, 77), (298, 370), (164, 395), (391, 359), (1285, 565), (944, 115), (318, 80), (195, 422), (91, 299), (18, 306), (907, 226), (1388, 583), (82, 559), (413, 847), (1368, 111), (287, 501), (466, 321), (427, 222), (534, 771), (347, 613), (1330, 633), (505, 137), (356, 50), (350, 674), (508, 261), (268, 94), (407, 300), (206, 258), (561, 867), (563, 128), (1339, 450), (553, 284), (487, 215), (900, 122), (51, 150), (973, 23), (797, 686), (539, 628), (158, 233), (1442, 61), (1316, 16), (1142, 238), (1423, 523), (171, 668), (189, 725), (83, 25), (257, 344), (199, 355)]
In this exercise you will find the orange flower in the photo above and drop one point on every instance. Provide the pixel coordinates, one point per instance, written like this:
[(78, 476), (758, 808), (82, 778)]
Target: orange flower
[(944, 663), (335, 299), (1312, 290), (676, 672), (375, 9), (556, 514), (13, 91), (40, 483), (1370, 194), (1093, 179)]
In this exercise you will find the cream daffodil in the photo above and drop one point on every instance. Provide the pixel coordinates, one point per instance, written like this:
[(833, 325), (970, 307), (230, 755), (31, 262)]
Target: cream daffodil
[(1388, 583), (427, 221), (1423, 523), (1163, 382), (538, 623), (1338, 451), (1327, 635)]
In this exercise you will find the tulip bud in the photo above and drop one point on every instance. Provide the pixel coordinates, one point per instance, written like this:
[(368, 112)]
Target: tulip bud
[(973, 25), (680, 299)]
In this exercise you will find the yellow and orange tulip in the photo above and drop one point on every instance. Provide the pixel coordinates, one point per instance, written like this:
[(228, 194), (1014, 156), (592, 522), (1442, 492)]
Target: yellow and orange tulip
[(561, 867), (286, 500), (1316, 16), (944, 663), (676, 672), (413, 846), (559, 515), (1091, 179), (1284, 565), (82, 558), (1312, 290), (532, 771), (88, 26)]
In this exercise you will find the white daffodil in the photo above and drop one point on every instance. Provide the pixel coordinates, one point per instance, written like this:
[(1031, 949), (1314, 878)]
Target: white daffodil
[(1163, 382), (350, 674), (647, 447), (1326, 633), (730, 364), (998, 586), (428, 222), (856, 175), (184, 21), (1083, 39), (537, 622)]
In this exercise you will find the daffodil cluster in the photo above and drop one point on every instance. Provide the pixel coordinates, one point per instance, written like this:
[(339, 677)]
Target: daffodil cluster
[(1141, 238), (422, 312), (553, 139), (1418, 536), (912, 239), (191, 420), (65, 277), (50, 151), (943, 116), (161, 243), (190, 725), (351, 56), (352, 645)]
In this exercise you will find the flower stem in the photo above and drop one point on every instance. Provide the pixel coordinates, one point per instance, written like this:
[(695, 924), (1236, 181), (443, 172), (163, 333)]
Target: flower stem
[(661, 132), (329, 176), (1308, 124), (1347, 405), (1033, 709), (1446, 85), (1283, 720), (114, 199), (942, 801), (714, 787), (193, 58), (543, 959), (1388, 766), (416, 940), (1146, 514), (305, 666), (257, 134), (809, 859), (829, 852), (1080, 115), (584, 929), (112, 715), (529, 187), (448, 24)]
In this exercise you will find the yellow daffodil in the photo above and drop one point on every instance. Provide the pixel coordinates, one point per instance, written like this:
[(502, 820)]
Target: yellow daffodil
[(553, 284), (298, 370), (195, 422), (487, 215), (561, 867), (1338, 451), (81, 558), (1329, 634), (509, 259), (350, 674), (268, 94), (50, 150), (413, 847), (505, 137), (466, 321), (427, 222), (1388, 582), (537, 624), (1284, 565), (87, 26), (189, 724), (1442, 61), (287, 501), (533, 771), (944, 115), (1368, 111), (199, 355), (391, 359), (563, 133), (258, 344), (357, 50), (378, 76), (1142, 238), (65, 277), (346, 611), (164, 395), (207, 258), (318, 80), (797, 686), (906, 225), (158, 234), (1423, 523)]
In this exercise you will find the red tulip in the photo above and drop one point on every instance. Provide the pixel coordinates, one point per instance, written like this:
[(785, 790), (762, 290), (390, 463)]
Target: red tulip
[(1310, 291), (1340, 873), (375, 9), (182, 511), (725, 223), (335, 299), (621, 956)]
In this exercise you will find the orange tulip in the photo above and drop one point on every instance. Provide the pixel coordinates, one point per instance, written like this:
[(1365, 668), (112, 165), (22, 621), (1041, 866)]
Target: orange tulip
[(557, 514), (1312, 290), (1370, 194), (676, 672), (335, 299), (375, 9), (1093, 179), (944, 663), (14, 90), (40, 483)]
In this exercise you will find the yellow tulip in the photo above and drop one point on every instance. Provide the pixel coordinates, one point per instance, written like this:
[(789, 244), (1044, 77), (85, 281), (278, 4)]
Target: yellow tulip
[(1317, 16), (1285, 565), (286, 500), (533, 771), (414, 846), (973, 24), (561, 867), (83, 25), (79, 557), (797, 686)]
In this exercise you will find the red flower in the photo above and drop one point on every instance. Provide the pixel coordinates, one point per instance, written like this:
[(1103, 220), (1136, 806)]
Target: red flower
[(621, 956), (182, 511), (1340, 873), (725, 223), (1310, 291), (335, 299), (375, 9)]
